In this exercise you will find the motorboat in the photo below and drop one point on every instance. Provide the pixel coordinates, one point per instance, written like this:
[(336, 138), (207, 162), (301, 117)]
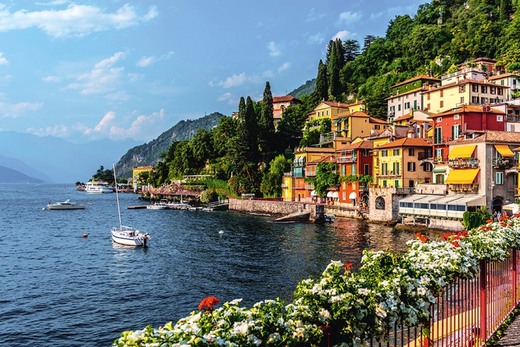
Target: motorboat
[(126, 235), (96, 187), (161, 205), (65, 205)]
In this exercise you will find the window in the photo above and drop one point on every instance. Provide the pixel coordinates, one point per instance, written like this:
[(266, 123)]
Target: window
[(456, 116), (493, 90), (343, 170), (500, 118), (411, 183), (442, 93), (396, 152), (380, 201), (441, 103), (366, 169), (456, 130), (461, 99), (474, 88), (475, 100), (439, 119), (462, 88), (399, 107), (354, 169), (384, 153), (384, 169), (396, 183), (483, 89), (438, 135), (411, 166), (396, 168), (499, 178), (411, 152)]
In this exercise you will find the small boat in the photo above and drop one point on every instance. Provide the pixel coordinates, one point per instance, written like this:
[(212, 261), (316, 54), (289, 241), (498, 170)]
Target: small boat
[(125, 235), (96, 187), (161, 205), (65, 205)]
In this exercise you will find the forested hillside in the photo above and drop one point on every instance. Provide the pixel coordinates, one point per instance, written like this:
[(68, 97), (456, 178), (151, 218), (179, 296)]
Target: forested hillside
[(149, 153), (251, 154)]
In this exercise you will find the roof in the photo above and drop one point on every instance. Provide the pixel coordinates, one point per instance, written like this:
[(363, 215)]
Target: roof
[(285, 98), (416, 78), (365, 144), (376, 120), (467, 109), (491, 136), (407, 142), (505, 75), (324, 159), (463, 82), (404, 117)]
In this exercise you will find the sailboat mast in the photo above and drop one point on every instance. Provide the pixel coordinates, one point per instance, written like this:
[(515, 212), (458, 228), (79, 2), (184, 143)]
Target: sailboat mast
[(117, 198)]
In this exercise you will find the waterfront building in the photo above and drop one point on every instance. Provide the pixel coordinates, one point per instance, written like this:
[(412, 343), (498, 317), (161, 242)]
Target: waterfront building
[(481, 171), (401, 163), (406, 96), (354, 161), (451, 124), (509, 80)]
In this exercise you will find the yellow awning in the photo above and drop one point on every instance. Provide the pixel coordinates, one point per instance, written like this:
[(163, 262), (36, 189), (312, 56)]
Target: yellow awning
[(461, 152), (504, 150), (462, 176)]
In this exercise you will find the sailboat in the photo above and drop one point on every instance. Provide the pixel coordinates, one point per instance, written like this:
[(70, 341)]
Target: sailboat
[(126, 235)]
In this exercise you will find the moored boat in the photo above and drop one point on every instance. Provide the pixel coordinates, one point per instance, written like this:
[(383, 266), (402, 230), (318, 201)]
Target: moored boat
[(64, 205), (125, 235), (96, 187)]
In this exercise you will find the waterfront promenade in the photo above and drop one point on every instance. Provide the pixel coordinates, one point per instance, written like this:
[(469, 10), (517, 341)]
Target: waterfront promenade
[(511, 335)]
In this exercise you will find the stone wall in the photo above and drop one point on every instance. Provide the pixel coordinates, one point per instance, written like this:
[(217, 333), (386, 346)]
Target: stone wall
[(268, 206)]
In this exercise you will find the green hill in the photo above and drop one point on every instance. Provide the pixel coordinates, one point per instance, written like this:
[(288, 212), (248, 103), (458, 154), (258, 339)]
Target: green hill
[(149, 153)]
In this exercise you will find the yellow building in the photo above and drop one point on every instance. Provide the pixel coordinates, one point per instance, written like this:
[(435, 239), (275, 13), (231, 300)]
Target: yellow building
[(136, 171), (334, 110)]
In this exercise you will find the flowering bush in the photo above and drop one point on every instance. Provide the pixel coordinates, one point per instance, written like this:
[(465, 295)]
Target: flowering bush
[(340, 305)]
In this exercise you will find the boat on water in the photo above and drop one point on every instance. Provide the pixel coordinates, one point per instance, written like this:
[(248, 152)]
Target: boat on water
[(161, 205), (97, 187), (65, 205), (126, 235)]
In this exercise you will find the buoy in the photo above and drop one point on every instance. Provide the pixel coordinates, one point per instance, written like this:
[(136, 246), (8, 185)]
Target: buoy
[(221, 232), (84, 235)]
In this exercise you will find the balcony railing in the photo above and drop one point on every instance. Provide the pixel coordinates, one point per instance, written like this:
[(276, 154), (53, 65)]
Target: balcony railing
[(464, 188), (464, 163), (504, 163), (347, 159)]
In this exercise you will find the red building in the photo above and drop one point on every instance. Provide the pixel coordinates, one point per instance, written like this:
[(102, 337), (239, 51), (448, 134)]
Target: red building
[(449, 125)]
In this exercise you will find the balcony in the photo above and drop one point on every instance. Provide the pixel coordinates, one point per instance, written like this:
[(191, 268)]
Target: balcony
[(504, 163), (347, 159), (464, 163), (464, 188)]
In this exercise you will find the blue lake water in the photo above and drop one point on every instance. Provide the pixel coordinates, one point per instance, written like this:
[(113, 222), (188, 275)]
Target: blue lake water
[(59, 289)]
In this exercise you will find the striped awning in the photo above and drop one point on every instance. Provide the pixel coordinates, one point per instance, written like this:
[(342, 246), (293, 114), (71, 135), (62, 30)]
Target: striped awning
[(461, 152), (504, 150), (462, 176)]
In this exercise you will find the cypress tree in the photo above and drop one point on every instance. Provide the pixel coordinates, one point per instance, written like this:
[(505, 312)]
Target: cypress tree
[(321, 91), (333, 69), (266, 121)]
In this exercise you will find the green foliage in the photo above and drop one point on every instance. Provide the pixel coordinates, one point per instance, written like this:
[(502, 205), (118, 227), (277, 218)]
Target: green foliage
[(271, 185), (471, 220), (208, 195), (326, 177), (104, 175)]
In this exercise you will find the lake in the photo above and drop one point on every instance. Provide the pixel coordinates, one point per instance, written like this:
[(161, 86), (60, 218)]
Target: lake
[(60, 289)]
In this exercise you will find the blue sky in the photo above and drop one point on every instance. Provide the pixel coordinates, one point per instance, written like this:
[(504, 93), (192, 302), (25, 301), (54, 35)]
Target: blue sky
[(99, 69)]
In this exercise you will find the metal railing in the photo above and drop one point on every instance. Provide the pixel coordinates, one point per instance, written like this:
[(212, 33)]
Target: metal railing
[(467, 312)]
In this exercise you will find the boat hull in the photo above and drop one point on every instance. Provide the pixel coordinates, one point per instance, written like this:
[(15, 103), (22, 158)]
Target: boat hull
[(77, 207), (129, 238)]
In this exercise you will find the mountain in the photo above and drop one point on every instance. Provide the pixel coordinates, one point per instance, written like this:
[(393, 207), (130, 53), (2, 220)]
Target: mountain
[(56, 160), (305, 89), (149, 153), (8, 175)]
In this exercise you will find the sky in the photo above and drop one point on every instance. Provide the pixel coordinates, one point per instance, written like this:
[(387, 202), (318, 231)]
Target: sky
[(108, 69)]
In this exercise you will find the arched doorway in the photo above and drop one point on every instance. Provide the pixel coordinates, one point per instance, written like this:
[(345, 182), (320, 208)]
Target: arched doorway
[(496, 204)]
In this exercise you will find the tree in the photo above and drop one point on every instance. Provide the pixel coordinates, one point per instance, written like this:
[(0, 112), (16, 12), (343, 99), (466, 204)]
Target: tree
[(351, 49), (321, 92), (271, 185), (266, 121), (334, 65), (325, 178)]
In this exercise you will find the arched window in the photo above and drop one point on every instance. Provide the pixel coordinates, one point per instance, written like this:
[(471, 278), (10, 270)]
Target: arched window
[(380, 203)]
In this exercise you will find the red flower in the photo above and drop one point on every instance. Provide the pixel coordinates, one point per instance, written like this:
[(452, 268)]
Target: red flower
[(207, 303), (348, 266), (455, 243)]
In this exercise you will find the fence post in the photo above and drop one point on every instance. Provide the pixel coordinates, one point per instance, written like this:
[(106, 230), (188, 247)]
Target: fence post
[(483, 301), (513, 275)]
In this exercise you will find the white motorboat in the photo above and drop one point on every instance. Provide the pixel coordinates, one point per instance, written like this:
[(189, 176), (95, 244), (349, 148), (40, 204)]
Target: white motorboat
[(96, 187), (65, 205), (125, 235), (161, 205)]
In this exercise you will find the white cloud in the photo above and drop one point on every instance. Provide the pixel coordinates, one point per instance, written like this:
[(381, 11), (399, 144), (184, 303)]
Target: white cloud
[(150, 60), (343, 35), (105, 77), (3, 59), (316, 38), (349, 17), (16, 110), (313, 15), (285, 66), (51, 79), (274, 49), (232, 81), (143, 127), (75, 20), (56, 130)]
